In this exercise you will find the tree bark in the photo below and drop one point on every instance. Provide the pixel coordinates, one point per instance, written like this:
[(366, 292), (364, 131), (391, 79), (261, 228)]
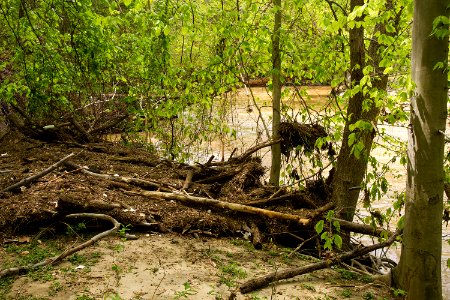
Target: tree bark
[(276, 96), (419, 269), (350, 170)]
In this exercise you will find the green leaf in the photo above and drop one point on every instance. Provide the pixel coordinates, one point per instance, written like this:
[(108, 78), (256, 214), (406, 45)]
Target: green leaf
[(401, 222), (328, 245), (337, 225), (338, 240), (319, 226)]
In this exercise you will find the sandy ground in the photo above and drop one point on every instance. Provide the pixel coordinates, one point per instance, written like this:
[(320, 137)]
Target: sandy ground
[(173, 266)]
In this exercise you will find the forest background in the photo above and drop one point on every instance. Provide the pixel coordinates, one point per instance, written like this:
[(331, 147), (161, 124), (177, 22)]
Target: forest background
[(167, 74)]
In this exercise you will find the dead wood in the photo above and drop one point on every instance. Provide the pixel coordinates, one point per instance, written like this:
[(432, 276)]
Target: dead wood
[(298, 197), (224, 176), (187, 199), (246, 154), (67, 202), (256, 236), (133, 181), (80, 129), (33, 178), (56, 259), (188, 180), (362, 228), (138, 161), (108, 125), (260, 282)]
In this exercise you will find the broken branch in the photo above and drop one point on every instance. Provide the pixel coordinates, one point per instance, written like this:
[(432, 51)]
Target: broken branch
[(30, 179), (264, 281), (184, 198)]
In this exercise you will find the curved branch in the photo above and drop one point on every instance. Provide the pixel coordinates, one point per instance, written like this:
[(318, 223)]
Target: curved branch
[(56, 259)]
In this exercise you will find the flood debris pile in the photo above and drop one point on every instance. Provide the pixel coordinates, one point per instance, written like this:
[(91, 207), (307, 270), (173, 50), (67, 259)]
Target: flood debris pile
[(110, 179), (297, 136), (47, 187)]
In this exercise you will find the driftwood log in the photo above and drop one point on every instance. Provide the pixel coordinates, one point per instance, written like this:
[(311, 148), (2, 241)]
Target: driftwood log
[(260, 282), (188, 199)]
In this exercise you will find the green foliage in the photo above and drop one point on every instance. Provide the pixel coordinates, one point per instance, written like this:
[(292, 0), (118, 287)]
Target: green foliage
[(230, 273), (398, 292), (123, 230), (346, 293), (188, 291), (331, 235)]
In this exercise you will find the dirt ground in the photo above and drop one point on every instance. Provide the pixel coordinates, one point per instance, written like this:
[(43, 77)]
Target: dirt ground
[(172, 266), (180, 252)]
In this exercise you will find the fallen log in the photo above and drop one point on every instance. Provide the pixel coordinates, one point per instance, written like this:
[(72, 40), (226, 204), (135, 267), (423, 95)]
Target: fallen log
[(56, 259), (260, 282), (362, 228), (185, 198), (33, 178)]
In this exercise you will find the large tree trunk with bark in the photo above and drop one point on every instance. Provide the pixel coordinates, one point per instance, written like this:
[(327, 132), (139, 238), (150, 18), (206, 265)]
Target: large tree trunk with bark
[(419, 269)]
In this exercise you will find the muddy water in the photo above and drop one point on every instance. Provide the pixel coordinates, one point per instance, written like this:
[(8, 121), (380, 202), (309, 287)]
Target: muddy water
[(246, 120)]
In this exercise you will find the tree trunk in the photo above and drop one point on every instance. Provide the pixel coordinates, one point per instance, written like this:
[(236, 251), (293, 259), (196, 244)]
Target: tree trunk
[(350, 170), (419, 269), (276, 96)]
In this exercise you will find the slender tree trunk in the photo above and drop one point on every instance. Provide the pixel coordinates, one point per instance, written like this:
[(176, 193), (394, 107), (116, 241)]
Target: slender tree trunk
[(276, 95), (419, 269)]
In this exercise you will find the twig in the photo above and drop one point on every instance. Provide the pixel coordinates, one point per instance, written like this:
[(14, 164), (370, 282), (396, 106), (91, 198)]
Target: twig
[(134, 181), (56, 259), (264, 281), (247, 153), (37, 176)]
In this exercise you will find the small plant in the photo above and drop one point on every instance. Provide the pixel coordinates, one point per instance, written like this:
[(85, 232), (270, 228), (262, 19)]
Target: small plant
[(347, 293), (368, 296), (84, 297), (5, 286), (398, 292), (345, 274), (77, 259), (188, 291), (116, 269), (123, 230), (75, 229), (230, 273), (330, 236), (308, 287), (112, 297), (55, 288)]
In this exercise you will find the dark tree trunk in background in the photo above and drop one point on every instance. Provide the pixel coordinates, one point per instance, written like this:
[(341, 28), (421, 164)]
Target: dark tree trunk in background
[(276, 95)]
